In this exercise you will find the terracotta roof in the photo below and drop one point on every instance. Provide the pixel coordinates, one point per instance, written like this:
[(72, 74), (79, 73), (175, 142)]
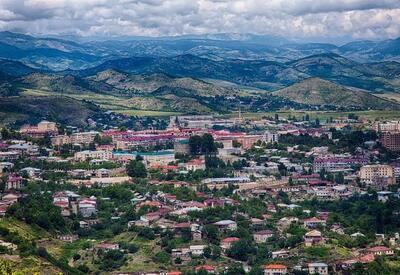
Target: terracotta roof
[(378, 248), (367, 258), (205, 267), (230, 240), (275, 266)]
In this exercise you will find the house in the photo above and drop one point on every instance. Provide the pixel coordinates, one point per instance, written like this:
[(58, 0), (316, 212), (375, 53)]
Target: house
[(262, 236), (3, 209), (13, 182), (275, 269), (106, 246), (280, 254), (208, 268), (227, 243), (318, 268), (102, 173), (197, 250), (226, 225), (256, 223), (87, 207), (30, 172), (313, 222), (380, 251), (68, 238), (195, 164), (313, 237), (183, 254), (214, 202), (142, 222), (10, 198)]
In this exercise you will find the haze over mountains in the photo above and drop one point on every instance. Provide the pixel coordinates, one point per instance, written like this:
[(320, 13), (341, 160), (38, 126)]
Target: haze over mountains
[(205, 73)]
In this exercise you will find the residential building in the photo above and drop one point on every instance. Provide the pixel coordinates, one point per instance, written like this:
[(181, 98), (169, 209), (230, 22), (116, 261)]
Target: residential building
[(318, 268), (313, 237), (86, 155), (262, 236), (42, 129), (275, 269), (271, 136), (380, 251), (14, 182), (378, 173), (391, 141), (227, 243), (226, 225)]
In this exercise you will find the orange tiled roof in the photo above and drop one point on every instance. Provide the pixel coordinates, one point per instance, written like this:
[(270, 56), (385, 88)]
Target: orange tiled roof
[(275, 266)]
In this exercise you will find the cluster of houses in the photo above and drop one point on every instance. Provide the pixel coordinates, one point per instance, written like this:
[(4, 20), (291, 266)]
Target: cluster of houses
[(272, 173)]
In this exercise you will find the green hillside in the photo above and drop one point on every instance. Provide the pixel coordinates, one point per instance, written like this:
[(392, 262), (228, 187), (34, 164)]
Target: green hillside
[(32, 109), (315, 91)]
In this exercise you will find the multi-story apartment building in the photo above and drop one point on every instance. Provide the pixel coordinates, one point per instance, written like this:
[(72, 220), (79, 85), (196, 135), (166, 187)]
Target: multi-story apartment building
[(42, 129), (85, 155), (377, 174), (390, 126), (75, 138), (391, 141), (334, 163)]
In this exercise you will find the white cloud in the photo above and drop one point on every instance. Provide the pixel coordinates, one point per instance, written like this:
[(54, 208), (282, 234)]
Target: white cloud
[(292, 18)]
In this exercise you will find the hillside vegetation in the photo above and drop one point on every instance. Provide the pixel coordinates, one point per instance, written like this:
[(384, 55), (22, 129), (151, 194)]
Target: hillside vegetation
[(315, 91)]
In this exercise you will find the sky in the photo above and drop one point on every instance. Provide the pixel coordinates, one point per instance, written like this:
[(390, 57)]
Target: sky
[(325, 19)]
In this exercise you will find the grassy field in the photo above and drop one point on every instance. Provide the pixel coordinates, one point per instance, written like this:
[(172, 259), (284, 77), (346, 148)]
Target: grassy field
[(24, 230), (323, 115), (108, 102), (126, 106), (147, 113), (395, 97)]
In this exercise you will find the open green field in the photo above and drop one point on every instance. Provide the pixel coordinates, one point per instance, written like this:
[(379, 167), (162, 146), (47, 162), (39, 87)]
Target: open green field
[(146, 113), (323, 115)]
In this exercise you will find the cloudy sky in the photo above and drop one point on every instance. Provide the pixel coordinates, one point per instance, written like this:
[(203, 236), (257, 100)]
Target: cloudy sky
[(358, 19)]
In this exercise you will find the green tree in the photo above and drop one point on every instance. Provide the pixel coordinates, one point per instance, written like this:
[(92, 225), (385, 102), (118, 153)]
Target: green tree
[(136, 169)]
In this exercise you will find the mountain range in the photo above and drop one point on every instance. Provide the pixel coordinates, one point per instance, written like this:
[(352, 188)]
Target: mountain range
[(200, 74), (61, 54)]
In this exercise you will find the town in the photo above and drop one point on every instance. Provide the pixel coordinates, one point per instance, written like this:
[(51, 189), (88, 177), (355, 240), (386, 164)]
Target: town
[(204, 194)]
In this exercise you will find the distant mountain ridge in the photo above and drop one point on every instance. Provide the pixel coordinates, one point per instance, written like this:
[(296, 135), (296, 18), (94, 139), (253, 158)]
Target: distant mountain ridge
[(269, 75), (61, 54)]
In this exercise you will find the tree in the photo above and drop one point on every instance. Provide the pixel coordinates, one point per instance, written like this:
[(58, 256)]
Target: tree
[(211, 233), (208, 145), (339, 178), (112, 259), (136, 169), (317, 123), (240, 250), (161, 257), (195, 144), (202, 144)]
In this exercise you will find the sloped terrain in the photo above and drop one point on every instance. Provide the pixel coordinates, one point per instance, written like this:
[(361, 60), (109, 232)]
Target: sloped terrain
[(315, 91)]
